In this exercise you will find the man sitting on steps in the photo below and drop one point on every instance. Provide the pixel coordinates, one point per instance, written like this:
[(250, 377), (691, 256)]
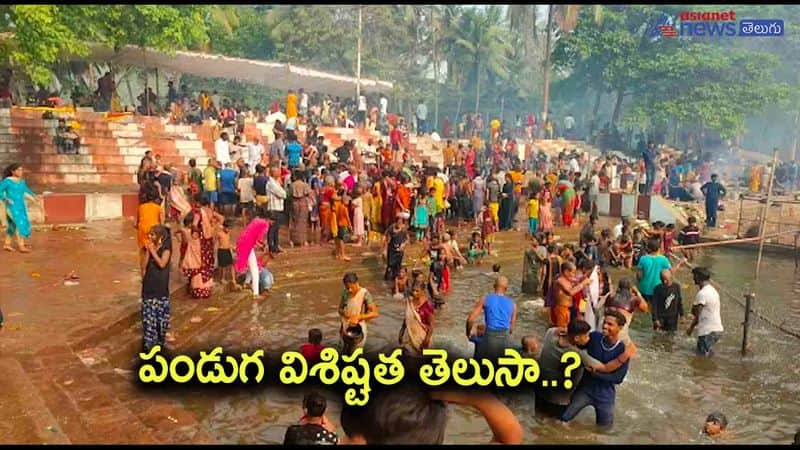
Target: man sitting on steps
[(67, 141)]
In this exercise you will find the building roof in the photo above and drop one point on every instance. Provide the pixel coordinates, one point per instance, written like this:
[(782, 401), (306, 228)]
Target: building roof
[(266, 73)]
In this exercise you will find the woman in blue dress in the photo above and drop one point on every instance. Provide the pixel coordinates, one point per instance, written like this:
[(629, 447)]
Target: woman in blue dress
[(13, 190)]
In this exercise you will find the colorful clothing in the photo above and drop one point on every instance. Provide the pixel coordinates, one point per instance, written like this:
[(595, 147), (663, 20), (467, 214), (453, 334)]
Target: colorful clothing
[(155, 321), (149, 215), (568, 206), (17, 212), (358, 217), (545, 213)]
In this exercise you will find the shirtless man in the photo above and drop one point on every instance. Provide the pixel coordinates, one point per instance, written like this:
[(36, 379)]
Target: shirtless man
[(566, 288)]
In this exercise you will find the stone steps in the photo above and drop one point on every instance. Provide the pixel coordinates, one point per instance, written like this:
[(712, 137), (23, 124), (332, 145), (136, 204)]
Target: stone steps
[(87, 411), (24, 416), (109, 145)]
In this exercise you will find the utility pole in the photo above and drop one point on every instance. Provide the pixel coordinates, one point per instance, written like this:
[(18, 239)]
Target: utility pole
[(358, 56), (546, 96), (435, 71), (763, 226)]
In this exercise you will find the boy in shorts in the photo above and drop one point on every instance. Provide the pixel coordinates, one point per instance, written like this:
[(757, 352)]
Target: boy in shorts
[(224, 253)]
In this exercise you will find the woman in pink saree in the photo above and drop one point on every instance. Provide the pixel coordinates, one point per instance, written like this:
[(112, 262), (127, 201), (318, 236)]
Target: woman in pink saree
[(251, 236)]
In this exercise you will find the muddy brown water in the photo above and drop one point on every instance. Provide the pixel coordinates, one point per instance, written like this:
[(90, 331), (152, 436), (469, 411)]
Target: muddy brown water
[(664, 399)]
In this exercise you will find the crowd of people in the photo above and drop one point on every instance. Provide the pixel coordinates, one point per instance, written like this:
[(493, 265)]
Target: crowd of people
[(376, 195), (481, 188)]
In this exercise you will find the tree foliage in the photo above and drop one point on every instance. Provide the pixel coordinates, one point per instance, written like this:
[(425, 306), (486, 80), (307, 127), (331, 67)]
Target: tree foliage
[(490, 53), (36, 37)]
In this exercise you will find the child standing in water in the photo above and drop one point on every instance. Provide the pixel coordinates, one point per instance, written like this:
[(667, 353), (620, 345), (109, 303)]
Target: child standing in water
[(184, 235), (224, 253), (401, 284), (475, 252)]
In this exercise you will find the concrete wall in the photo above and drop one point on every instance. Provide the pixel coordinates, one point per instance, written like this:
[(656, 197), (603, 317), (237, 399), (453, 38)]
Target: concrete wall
[(645, 207), (55, 209)]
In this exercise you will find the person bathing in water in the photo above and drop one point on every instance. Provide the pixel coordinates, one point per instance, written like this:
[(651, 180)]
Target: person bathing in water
[(356, 308)]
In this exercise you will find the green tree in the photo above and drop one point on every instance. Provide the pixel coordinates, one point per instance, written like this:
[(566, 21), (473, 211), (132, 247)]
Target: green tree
[(481, 37)]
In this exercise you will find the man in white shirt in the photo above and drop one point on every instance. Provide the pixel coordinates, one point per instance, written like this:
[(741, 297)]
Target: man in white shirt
[(594, 192), (362, 111), (617, 232), (422, 117), (222, 149), (216, 100), (569, 122), (574, 167), (254, 152), (706, 311), (276, 194), (613, 174), (384, 106), (303, 103)]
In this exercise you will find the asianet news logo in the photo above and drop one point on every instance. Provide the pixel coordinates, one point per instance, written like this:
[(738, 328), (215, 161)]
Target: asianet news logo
[(716, 24)]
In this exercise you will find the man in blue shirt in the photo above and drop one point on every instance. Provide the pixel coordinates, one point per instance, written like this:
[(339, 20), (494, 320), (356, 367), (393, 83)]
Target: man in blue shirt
[(598, 389), (500, 316), (293, 151), (649, 155), (227, 189), (713, 192)]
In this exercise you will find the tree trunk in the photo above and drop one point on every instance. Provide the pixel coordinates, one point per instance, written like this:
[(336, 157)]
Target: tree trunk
[(546, 94), (478, 88), (458, 107), (617, 107), (593, 123), (597, 104), (358, 58), (794, 136), (158, 91), (502, 107), (675, 134), (130, 91)]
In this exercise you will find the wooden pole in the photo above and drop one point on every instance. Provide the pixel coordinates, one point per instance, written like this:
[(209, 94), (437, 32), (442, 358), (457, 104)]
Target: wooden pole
[(435, 71), (158, 91), (748, 300), (732, 241), (739, 222), (763, 227)]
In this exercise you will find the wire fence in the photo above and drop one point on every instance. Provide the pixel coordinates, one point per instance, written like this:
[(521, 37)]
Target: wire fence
[(739, 300)]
